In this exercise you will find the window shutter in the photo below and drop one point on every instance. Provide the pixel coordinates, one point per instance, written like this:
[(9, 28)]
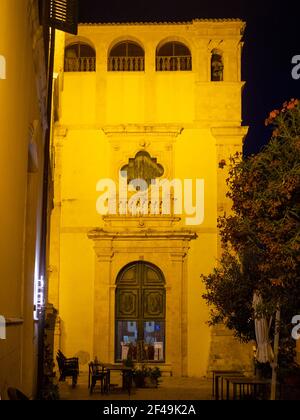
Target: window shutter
[(63, 15)]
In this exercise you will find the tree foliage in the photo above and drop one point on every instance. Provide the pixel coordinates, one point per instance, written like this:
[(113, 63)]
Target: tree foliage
[(261, 238)]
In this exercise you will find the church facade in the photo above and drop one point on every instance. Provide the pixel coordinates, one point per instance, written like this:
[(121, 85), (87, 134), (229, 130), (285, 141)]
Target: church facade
[(146, 117)]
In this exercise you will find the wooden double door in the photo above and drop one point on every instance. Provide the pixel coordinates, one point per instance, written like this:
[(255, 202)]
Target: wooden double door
[(140, 313)]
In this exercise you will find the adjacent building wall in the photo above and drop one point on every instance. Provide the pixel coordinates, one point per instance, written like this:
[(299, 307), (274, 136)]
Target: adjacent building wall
[(22, 124)]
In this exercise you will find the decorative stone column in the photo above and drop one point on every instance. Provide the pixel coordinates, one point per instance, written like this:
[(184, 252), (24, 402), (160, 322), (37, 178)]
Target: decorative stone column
[(102, 302), (179, 306), (54, 252)]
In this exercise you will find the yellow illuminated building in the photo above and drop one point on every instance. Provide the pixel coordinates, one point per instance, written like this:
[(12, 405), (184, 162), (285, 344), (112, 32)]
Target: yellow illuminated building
[(159, 101)]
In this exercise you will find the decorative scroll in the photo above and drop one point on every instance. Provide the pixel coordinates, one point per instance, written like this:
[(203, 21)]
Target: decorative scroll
[(127, 304), (154, 304)]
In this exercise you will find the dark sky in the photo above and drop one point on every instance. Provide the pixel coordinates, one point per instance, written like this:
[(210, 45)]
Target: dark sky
[(272, 38)]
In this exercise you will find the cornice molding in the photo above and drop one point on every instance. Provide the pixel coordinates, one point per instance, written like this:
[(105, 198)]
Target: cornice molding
[(99, 234), (229, 135), (142, 130)]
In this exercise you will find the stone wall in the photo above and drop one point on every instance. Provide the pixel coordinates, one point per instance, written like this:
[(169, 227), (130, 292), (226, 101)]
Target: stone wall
[(227, 353)]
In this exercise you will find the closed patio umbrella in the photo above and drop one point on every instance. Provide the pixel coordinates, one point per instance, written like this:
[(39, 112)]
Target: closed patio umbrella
[(264, 352)]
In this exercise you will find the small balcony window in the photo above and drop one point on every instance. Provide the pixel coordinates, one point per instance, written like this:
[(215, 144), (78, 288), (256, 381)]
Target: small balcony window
[(80, 57), (217, 66), (173, 56), (126, 56)]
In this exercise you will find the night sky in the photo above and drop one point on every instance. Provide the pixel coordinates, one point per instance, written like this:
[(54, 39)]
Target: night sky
[(271, 39)]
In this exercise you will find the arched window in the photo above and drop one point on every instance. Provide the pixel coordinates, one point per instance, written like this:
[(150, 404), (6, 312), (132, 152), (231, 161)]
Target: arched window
[(173, 56), (126, 56), (217, 66), (140, 313), (80, 57)]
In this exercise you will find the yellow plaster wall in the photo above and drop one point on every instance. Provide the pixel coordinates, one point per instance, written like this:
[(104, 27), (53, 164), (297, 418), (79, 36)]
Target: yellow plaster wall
[(125, 100), (174, 97), (76, 293), (79, 105), (201, 261), (85, 160), (195, 158)]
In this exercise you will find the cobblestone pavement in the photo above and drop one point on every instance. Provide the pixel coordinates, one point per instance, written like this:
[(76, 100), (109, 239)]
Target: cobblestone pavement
[(170, 388)]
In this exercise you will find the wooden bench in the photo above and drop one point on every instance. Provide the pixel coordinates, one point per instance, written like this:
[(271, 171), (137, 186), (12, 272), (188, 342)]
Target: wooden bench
[(67, 367), (248, 388), (15, 394), (219, 375)]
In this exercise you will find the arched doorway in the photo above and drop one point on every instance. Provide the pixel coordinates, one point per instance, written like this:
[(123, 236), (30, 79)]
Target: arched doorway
[(140, 313)]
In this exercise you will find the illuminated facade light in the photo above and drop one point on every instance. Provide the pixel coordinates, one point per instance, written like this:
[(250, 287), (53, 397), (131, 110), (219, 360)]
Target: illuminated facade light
[(38, 296)]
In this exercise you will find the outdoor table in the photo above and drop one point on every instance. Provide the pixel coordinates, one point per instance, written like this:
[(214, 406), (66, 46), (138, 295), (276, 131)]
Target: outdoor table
[(97, 372), (127, 374), (252, 385), (215, 382)]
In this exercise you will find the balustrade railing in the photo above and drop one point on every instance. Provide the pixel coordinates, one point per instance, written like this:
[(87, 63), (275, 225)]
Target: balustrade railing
[(126, 63), (177, 63), (144, 206), (85, 64), (80, 64)]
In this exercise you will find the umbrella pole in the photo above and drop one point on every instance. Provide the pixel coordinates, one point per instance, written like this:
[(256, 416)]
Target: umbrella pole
[(275, 363)]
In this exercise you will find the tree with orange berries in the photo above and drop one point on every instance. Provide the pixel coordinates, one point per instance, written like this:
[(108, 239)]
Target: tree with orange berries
[(261, 238)]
